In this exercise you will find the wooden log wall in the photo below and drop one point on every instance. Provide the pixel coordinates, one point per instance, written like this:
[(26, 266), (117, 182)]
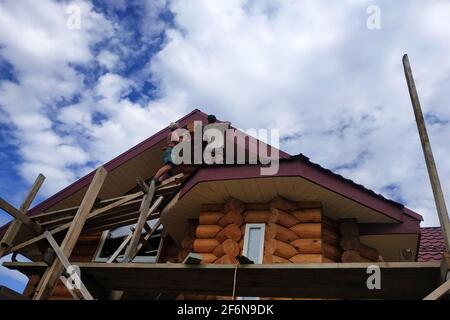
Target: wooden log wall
[(353, 249), (296, 232), (218, 235), (300, 233)]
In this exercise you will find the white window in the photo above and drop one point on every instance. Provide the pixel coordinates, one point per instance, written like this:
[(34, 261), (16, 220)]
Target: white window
[(254, 241), (112, 239), (254, 245)]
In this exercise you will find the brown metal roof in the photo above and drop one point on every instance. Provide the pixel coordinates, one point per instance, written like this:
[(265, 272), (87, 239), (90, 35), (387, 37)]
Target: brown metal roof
[(431, 244)]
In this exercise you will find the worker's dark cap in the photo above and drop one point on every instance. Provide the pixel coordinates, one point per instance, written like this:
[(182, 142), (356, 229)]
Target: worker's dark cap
[(212, 118)]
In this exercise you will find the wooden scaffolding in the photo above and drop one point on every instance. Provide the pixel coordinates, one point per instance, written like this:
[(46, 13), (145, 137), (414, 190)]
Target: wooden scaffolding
[(92, 215)]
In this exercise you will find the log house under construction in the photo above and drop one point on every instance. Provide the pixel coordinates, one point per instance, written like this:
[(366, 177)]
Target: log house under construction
[(219, 232)]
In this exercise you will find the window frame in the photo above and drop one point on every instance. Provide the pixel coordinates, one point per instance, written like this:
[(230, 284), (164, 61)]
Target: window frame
[(144, 259), (249, 226)]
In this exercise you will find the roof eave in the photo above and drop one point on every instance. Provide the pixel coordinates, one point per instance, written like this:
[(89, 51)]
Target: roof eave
[(313, 173)]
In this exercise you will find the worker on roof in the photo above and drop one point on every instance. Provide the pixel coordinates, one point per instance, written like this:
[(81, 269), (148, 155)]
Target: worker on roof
[(173, 138), (212, 131)]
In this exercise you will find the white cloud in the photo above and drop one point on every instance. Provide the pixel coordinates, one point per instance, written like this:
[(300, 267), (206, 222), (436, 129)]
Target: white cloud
[(43, 51), (314, 70), (108, 59), (310, 68)]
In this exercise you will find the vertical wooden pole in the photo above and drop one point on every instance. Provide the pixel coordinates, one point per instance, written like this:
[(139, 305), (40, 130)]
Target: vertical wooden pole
[(15, 225), (52, 274), (429, 159)]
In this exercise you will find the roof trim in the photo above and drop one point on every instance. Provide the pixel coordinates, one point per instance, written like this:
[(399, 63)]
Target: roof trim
[(412, 214), (116, 162), (407, 227), (309, 171)]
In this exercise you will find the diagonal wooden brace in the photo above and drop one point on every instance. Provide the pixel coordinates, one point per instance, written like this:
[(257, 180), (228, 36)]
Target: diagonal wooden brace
[(77, 290), (148, 235), (445, 279), (14, 227), (439, 292), (122, 246)]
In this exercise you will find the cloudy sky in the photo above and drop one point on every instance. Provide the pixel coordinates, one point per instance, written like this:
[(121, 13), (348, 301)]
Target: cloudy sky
[(74, 93)]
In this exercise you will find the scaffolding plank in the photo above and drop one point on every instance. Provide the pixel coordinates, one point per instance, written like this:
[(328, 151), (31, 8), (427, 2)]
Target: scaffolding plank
[(95, 213)]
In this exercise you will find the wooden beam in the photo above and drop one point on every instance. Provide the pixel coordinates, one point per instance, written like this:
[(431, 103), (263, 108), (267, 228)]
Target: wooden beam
[(52, 274), (100, 213), (445, 279), (439, 292), (165, 186), (117, 203), (445, 267), (161, 245), (428, 154), (48, 217), (168, 189), (119, 224), (32, 193), (174, 179), (51, 224), (11, 233), (130, 252), (65, 226), (122, 246), (20, 216), (103, 223), (57, 213), (148, 236), (81, 291), (40, 237), (111, 219), (72, 210)]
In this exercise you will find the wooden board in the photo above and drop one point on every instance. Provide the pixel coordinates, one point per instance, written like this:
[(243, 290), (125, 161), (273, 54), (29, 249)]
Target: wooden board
[(403, 280), (53, 272)]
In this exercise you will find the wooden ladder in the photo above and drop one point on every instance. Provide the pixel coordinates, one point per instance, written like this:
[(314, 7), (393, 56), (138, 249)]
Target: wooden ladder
[(133, 242), (151, 202)]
